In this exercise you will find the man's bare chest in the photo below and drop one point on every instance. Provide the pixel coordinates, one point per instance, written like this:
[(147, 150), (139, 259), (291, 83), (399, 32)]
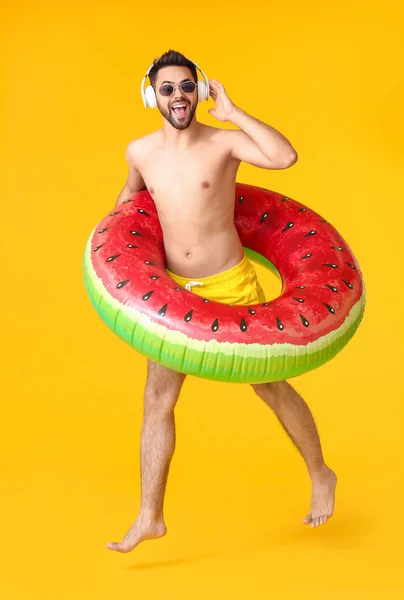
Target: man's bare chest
[(175, 174)]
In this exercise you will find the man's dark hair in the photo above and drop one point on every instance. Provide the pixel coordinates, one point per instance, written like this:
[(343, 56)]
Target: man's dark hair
[(171, 58)]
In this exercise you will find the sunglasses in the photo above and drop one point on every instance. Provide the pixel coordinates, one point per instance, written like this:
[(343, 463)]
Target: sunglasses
[(186, 86)]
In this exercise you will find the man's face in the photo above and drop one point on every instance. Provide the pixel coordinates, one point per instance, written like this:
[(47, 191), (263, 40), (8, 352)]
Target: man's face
[(174, 76)]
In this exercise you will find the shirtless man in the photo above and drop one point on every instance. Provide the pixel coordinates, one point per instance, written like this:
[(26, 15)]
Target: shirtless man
[(190, 171)]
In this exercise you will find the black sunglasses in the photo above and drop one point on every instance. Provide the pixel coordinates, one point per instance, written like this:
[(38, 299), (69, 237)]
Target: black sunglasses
[(186, 86)]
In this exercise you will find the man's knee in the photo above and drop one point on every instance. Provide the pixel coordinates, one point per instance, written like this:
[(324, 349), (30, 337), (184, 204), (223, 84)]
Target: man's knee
[(271, 392), (162, 388)]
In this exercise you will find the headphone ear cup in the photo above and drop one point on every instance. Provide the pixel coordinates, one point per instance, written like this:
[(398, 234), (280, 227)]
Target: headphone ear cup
[(203, 92), (150, 96)]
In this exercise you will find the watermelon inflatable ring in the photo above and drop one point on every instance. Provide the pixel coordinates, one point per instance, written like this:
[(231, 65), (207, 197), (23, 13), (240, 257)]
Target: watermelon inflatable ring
[(318, 311)]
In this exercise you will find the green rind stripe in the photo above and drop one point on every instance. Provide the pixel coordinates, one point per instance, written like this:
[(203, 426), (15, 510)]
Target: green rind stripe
[(262, 260), (220, 361)]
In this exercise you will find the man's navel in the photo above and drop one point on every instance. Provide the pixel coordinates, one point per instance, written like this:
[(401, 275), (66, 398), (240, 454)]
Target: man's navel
[(205, 184)]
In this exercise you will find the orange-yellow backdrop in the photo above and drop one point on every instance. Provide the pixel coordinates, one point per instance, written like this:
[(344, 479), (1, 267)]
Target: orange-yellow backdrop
[(330, 77)]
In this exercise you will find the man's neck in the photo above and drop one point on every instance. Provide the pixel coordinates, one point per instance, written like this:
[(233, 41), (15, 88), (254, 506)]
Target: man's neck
[(180, 138)]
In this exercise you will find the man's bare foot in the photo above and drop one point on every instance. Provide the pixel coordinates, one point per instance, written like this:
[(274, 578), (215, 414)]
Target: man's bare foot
[(144, 528), (322, 501)]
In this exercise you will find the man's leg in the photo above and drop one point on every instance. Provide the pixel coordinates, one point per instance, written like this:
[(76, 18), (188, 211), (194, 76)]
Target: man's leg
[(297, 420), (157, 446)]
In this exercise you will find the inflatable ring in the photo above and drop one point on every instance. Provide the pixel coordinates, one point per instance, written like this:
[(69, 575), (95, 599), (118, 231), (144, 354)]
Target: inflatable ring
[(318, 311)]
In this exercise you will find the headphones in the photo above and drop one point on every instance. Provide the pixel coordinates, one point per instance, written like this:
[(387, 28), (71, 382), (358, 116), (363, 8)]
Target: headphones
[(149, 95)]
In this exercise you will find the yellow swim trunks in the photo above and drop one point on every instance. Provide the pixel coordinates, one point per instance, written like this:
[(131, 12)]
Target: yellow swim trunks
[(238, 285)]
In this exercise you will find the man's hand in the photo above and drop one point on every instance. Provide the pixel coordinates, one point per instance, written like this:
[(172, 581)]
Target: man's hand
[(224, 106)]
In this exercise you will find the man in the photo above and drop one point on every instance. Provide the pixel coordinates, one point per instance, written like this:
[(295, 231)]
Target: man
[(190, 171)]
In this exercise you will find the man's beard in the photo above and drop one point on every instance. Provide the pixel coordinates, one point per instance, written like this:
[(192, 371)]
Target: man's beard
[(168, 114)]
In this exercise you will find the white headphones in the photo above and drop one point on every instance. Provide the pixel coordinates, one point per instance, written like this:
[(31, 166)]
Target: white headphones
[(149, 95)]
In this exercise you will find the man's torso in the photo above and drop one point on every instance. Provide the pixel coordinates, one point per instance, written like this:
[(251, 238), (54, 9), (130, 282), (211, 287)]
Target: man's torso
[(193, 190)]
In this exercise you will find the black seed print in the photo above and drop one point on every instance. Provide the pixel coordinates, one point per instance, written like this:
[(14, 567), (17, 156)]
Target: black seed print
[(162, 311), (348, 284), (349, 265), (125, 201), (298, 299), (332, 266), (304, 321), (147, 296), (323, 221), (243, 325), (288, 226), (131, 246), (330, 308), (122, 283), (154, 277), (205, 300), (241, 200), (251, 311), (97, 247), (147, 262), (306, 256), (177, 289), (135, 233), (143, 212), (337, 248), (302, 209), (114, 213), (279, 324), (264, 216), (313, 232), (265, 304), (111, 258), (215, 325), (300, 287), (104, 229), (188, 316), (331, 287), (285, 198)]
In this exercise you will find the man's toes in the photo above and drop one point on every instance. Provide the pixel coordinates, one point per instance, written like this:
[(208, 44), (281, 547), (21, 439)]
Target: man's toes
[(307, 520), (115, 546), (112, 546), (119, 547)]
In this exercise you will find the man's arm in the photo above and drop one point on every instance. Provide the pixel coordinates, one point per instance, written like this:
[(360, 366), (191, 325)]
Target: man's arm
[(257, 143), (134, 182)]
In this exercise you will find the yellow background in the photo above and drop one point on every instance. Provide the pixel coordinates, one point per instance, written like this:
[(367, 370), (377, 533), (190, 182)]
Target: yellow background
[(329, 76)]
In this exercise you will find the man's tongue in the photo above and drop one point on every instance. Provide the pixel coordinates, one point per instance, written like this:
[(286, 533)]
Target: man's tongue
[(180, 111)]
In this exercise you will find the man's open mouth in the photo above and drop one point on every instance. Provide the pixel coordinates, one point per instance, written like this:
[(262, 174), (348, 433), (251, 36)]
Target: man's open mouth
[(180, 109)]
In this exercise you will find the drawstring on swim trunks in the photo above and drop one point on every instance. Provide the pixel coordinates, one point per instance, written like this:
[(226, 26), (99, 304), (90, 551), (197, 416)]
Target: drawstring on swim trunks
[(191, 284)]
